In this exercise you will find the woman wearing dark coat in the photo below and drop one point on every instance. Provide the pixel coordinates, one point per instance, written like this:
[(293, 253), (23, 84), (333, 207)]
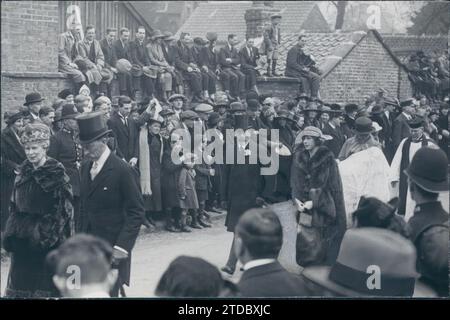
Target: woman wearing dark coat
[(41, 217), (12, 156), (315, 177), (169, 185)]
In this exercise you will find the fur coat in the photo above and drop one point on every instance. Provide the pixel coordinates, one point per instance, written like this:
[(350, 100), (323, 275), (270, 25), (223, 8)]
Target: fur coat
[(317, 178), (41, 209)]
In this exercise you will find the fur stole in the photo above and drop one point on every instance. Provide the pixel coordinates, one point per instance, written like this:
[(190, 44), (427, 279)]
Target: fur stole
[(42, 232)]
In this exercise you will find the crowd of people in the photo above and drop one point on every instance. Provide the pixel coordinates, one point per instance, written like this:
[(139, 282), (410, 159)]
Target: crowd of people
[(102, 165)]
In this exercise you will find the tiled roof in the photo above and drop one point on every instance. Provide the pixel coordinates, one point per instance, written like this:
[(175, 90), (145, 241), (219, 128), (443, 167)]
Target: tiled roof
[(404, 44), (328, 49), (224, 17)]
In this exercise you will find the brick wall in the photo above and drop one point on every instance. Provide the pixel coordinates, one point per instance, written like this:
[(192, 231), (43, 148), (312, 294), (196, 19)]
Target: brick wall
[(366, 68), (29, 36)]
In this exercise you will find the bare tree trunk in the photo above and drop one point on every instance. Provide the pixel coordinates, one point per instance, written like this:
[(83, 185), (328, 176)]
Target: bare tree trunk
[(341, 6)]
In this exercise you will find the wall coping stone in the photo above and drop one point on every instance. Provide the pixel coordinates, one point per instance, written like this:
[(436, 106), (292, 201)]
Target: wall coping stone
[(278, 79), (42, 75)]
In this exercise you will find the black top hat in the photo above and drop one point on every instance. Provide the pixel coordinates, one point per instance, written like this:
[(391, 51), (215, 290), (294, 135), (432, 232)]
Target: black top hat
[(68, 111), (92, 126), (407, 103), (429, 169), (32, 98), (416, 122), (351, 107), (363, 125)]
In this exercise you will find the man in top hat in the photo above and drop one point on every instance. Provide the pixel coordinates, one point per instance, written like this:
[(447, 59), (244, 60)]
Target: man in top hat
[(258, 241), (232, 78), (185, 63), (372, 262), (299, 65), (429, 226), (67, 54), (400, 128), (201, 58), (402, 158), (249, 57), (348, 127), (33, 101), (65, 147), (272, 39), (122, 51), (126, 132), (111, 200), (333, 129)]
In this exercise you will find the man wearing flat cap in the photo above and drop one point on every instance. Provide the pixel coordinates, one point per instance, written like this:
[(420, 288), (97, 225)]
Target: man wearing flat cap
[(428, 178), (272, 39), (402, 158), (111, 200)]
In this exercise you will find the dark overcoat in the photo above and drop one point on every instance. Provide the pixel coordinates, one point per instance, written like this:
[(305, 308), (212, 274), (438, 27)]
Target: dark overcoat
[(186, 189), (232, 53), (156, 145), (338, 140), (320, 172), (12, 156), (64, 148), (272, 280), (112, 205), (400, 130), (169, 184), (122, 51), (109, 53), (127, 136)]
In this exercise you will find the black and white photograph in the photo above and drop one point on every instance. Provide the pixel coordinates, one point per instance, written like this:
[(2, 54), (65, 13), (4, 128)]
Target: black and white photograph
[(224, 149)]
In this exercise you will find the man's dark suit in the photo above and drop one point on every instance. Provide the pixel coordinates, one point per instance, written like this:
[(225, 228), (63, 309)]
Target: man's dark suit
[(123, 52), (271, 280), (140, 58), (232, 78), (296, 66), (400, 130), (110, 57), (338, 140), (126, 136), (208, 77), (113, 207), (184, 57), (64, 148), (248, 65)]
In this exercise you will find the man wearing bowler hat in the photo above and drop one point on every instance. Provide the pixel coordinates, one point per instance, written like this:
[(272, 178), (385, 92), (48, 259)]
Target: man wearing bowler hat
[(33, 103), (333, 129), (65, 147), (402, 158), (111, 200), (428, 176)]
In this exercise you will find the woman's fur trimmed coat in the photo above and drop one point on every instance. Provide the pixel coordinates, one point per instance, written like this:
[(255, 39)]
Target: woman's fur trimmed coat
[(317, 179)]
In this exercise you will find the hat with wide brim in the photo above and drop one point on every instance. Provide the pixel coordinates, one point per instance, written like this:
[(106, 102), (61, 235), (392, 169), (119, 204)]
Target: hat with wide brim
[(33, 98), (313, 132), (429, 169), (177, 96), (92, 126), (363, 125), (157, 34), (319, 275)]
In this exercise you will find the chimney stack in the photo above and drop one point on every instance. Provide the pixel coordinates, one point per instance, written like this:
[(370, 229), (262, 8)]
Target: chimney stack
[(257, 16)]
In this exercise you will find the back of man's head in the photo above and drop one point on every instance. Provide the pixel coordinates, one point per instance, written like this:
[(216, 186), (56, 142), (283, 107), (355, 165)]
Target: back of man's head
[(261, 233), (89, 256)]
